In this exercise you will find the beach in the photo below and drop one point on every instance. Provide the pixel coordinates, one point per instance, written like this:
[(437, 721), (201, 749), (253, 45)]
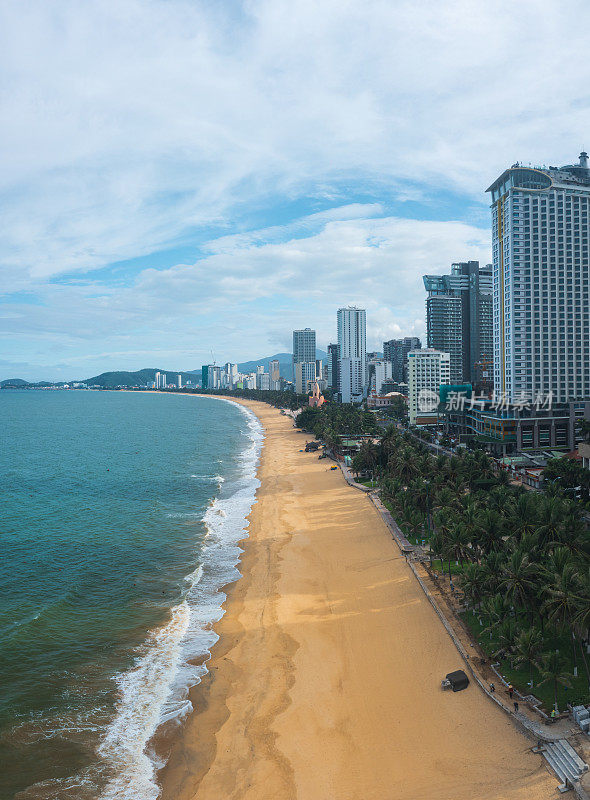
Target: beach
[(325, 682)]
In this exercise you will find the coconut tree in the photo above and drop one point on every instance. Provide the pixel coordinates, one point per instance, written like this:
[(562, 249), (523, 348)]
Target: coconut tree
[(550, 520), (562, 602), (493, 565), (523, 514), (495, 610), (489, 529), (506, 635), (472, 583), (457, 544), (552, 667), (519, 580), (528, 646)]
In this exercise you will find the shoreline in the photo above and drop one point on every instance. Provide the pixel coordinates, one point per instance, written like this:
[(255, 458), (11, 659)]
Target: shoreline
[(318, 686)]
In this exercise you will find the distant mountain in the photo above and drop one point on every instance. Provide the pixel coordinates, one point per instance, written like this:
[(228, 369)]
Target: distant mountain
[(14, 382), (285, 364), (109, 380), (140, 378)]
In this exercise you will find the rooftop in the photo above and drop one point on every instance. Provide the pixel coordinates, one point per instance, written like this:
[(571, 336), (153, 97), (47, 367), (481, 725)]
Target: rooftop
[(527, 176)]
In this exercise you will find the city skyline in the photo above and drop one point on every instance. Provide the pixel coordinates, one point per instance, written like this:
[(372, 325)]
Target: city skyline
[(222, 172)]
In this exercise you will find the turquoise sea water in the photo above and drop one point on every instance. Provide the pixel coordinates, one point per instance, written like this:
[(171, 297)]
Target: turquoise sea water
[(121, 514)]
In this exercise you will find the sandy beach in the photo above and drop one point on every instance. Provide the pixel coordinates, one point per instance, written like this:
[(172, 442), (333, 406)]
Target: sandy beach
[(325, 683)]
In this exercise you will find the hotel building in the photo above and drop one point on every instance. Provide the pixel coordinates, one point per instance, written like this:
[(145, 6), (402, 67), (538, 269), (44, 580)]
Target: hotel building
[(459, 317), (304, 351), (428, 369), (352, 351), (541, 277)]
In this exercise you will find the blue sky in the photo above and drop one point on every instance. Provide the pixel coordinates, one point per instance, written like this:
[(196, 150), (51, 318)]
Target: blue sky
[(186, 176)]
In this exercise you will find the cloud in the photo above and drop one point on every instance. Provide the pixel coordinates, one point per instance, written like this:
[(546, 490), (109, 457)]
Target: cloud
[(246, 287), (256, 133)]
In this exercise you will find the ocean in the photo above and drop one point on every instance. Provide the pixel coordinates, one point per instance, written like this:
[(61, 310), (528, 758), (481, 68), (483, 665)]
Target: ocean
[(121, 517)]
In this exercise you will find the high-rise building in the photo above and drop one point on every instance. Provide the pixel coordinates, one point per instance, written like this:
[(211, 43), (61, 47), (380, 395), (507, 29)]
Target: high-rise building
[(379, 371), (205, 376), (303, 346), (179, 381), (459, 317), (230, 375), (352, 352), (157, 380), (428, 370), (263, 381), (332, 367), (396, 352), (304, 375), (274, 369), (541, 281), (304, 354)]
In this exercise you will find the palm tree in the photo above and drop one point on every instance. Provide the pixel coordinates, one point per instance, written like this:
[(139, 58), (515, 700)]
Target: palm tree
[(528, 645), (489, 527), (506, 635), (553, 670), (550, 519), (519, 579), (495, 610), (472, 583), (493, 565), (562, 602), (456, 544), (412, 521), (523, 514)]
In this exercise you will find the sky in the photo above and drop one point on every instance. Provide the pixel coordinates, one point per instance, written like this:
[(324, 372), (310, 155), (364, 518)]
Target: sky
[(184, 180)]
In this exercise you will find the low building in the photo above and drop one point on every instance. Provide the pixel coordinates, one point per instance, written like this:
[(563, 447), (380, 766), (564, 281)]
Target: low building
[(517, 430), (375, 400), (584, 453)]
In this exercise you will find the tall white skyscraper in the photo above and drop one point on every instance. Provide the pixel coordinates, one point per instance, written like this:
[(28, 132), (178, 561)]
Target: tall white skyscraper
[(179, 380), (352, 350), (541, 281), (230, 374)]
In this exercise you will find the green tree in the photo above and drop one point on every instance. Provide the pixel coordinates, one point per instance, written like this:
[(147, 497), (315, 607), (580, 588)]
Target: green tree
[(552, 668), (527, 647)]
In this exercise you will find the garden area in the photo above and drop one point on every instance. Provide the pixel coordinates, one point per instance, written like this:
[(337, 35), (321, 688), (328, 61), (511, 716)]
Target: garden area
[(519, 560)]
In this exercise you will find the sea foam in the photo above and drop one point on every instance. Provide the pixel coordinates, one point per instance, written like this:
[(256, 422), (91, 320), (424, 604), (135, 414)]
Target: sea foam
[(156, 690)]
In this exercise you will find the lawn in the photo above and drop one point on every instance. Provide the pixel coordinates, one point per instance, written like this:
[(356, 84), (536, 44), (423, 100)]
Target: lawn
[(519, 676)]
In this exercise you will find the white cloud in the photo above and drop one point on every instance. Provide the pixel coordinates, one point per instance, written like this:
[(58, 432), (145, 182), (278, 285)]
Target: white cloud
[(232, 298), (130, 125)]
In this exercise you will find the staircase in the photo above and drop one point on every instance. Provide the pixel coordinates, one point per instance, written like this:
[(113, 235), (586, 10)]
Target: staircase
[(565, 762)]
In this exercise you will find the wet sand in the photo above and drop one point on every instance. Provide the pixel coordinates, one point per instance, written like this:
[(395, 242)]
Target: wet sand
[(325, 684)]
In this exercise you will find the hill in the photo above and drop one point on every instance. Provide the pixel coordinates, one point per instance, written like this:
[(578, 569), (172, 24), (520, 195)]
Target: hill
[(285, 364), (140, 378), (14, 382)]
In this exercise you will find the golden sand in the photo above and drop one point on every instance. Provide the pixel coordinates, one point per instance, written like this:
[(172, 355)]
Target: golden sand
[(325, 684)]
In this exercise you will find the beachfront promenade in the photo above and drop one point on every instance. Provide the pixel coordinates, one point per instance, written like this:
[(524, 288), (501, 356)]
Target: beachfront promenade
[(326, 681)]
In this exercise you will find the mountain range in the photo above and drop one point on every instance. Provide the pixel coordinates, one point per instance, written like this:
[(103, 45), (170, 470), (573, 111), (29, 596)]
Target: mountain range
[(122, 378)]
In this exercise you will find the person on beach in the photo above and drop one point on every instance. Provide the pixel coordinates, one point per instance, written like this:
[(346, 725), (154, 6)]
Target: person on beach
[(516, 707), (492, 688), (511, 690)]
